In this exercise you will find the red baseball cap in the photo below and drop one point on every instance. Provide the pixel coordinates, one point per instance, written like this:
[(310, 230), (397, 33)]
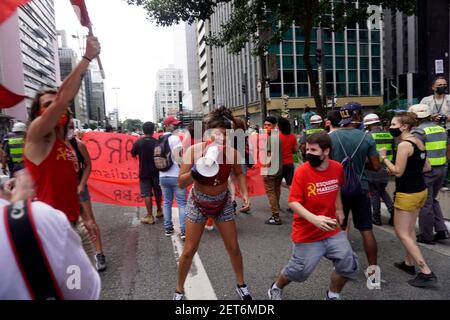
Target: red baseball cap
[(171, 120)]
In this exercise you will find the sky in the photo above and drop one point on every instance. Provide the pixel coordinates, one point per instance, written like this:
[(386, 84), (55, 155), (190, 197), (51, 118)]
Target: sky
[(133, 49)]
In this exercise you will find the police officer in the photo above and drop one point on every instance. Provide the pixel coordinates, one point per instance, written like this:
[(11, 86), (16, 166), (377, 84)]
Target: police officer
[(13, 149), (316, 126), (436, 142), (378, 180)]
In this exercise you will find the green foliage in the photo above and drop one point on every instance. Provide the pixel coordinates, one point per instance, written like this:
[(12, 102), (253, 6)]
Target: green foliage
[(131, 125)]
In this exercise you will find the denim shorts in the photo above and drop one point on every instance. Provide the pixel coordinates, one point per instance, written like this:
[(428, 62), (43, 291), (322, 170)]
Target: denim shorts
[(306, 257), (194, 215), (84, 195)]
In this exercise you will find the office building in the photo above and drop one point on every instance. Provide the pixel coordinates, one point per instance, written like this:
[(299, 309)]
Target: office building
[(169, 84)]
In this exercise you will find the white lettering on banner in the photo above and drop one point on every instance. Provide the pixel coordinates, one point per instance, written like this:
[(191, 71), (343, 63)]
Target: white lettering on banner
[(74, 279)]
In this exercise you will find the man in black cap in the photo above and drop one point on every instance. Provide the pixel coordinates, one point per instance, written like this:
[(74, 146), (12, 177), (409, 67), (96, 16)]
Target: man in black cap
[(350, 142)]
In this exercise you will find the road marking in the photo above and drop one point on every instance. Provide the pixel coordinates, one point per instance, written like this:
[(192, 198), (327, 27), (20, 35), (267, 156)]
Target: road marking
[(197, 285)]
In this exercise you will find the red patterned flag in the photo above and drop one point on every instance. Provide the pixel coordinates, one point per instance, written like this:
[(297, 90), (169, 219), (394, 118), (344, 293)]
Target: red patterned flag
[(80, 9), (7, 8), (8, 99)]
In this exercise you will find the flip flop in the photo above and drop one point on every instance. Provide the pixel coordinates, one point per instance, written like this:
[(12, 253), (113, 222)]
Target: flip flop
[(245, 209)]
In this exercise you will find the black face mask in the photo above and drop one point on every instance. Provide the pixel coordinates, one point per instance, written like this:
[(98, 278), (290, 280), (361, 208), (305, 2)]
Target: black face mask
[(395, 132), (314, 160), (441, 90)]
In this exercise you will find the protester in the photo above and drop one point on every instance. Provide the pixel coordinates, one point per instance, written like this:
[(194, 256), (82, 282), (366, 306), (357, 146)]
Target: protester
[(211, 197), (436, 144), (439, 102), (332, 121), (315, 127), (306, 116), (49, 159), (148, 174), (315, 199), (273, 167), (410, 194), (169, 179), (350, 142), (30, 271), (13, 149), (378, 180), (84, 170)]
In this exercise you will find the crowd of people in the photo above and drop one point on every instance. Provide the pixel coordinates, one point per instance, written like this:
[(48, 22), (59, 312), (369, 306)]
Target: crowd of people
[(347, 160)]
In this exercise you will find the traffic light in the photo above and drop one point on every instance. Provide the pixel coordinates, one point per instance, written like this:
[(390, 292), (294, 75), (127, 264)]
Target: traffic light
[(319, 55), (244, 89)]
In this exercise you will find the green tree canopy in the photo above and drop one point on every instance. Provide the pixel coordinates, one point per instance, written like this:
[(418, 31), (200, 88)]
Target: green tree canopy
[(132, 125)]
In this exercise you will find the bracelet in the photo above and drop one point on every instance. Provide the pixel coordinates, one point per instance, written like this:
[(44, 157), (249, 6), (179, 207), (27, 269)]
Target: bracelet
[(84, 57)]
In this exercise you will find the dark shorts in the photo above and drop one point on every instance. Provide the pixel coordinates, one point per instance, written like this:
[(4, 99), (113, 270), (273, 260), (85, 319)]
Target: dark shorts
[(361, 211), (288, 173), (84, 195), (150, 187)]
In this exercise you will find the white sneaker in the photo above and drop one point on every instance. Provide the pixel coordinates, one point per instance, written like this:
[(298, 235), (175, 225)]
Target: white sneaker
[(374, 280)]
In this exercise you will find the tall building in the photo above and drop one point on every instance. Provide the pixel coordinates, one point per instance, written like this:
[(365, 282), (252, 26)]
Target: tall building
[(412, 47), (169, 84), (95, 87), (114, 118), (352, 61), (29, 61), (205, 62), (192, 98), (68, 60)]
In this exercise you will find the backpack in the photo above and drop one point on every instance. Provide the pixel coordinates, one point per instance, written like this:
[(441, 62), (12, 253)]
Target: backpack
[(352, 186), (162, 154)]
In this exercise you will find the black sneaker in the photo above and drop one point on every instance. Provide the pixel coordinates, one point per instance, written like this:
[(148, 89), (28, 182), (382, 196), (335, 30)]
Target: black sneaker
[(377, 222), (274, 221), (441, 235), (420, 239), (423, 280), (243, 292), (404, 267), (169, 232)]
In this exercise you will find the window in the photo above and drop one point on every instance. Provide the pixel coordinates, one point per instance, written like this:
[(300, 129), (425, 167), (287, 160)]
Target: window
[(340, 63), (340, 49), (300, 63), (365, 89), (352, 76), (364, 50), (328, 62), (328, 50), (352, 63), (330, 89), (300, 47), (340, 76), (363, 36), (376, 63), (288, 48), (275, 90), (289, 89), (376, 76), (274, 49), (302, 76), (288, 34), (351, 35), (288, 76), (364, 63), (303, 90), (288, 62), (353, 89), (375, 36), (329, 75), (376, 89), (352, 50), (364, 76), (375, 49), (339, 37), (341, 90)]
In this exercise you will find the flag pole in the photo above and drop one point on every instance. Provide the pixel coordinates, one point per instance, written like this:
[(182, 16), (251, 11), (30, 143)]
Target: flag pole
[(102, 72)]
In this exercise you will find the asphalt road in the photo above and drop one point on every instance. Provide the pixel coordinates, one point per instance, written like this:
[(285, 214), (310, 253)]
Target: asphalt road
[(142, 262)]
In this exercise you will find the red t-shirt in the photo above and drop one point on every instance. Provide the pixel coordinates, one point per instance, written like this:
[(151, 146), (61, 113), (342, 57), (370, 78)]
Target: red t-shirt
[(288, 142), (56, 180), (316, 191)]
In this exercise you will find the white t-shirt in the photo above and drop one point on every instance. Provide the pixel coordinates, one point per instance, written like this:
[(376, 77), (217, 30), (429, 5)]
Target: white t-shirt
[(64, 253), (435, 106), (174, 142)]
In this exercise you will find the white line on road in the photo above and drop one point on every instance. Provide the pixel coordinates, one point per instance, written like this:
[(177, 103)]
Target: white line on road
[(197, 285)]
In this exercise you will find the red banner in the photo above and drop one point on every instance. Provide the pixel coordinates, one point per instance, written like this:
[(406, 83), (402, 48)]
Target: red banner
[(115, 173), (9, 99), (7, 8), (80, 9)]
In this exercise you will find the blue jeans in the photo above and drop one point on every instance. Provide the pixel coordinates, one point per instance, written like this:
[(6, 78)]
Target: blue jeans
[(169, 186)]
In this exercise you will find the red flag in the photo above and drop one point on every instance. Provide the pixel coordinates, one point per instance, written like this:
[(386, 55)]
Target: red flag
[(9, 99), (7, 8), (80, 9)]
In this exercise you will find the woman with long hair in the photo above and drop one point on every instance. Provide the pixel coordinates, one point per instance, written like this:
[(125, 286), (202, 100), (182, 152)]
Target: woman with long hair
[(210, 197), (410, 195)]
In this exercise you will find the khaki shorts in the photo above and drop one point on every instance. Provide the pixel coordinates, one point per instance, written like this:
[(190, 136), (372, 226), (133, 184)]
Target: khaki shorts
[(410, 201)]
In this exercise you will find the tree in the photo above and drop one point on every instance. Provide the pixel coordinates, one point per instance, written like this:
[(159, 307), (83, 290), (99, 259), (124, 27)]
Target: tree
[(249, 20), (132, 125)]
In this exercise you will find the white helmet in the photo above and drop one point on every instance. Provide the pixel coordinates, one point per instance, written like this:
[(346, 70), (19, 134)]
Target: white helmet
[(421, 110), (316, 119), (371, 118), (19, 127)]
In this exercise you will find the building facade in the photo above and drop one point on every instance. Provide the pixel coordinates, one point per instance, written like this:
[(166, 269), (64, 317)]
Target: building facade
[(192, 98), (30, 60), (353, 61), (205, 63), (169, 84)]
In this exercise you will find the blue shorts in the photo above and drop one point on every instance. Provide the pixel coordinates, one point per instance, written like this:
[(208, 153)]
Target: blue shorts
[(306, 257), (194, 215)]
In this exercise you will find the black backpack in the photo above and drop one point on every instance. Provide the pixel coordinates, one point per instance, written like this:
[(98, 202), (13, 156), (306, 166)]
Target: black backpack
[(162, 154), (352, 185)]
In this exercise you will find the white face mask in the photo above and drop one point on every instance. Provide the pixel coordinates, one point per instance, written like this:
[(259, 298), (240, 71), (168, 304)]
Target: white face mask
[(70, 133)]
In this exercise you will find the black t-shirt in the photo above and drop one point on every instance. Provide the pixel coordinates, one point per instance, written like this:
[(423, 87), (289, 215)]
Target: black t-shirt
[(144, 148)]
